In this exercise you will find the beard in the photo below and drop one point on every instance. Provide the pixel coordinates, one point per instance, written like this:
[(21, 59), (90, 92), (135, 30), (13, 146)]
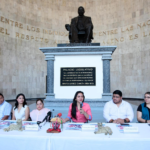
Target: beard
[(117, 102)]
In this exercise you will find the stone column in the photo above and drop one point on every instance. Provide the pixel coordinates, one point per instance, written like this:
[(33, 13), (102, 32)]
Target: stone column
[(106, 77), (50, 78)]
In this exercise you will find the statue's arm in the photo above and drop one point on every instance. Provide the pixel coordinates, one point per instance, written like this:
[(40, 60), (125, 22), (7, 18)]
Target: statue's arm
[(72, 21), (67, 26), (90, 22)]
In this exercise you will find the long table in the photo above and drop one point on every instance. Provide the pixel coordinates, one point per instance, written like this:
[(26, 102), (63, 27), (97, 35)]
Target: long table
[(76, 140)]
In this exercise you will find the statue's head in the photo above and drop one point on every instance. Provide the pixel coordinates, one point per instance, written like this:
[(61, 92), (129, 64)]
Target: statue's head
[(19, 120), (100, 125), (81, 11)]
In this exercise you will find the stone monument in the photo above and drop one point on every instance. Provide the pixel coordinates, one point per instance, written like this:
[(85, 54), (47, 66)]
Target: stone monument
[(85, 68), (80, 65)]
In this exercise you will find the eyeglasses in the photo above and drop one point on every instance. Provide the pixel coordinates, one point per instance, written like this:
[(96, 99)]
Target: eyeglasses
[(147, 97), (116, 96)]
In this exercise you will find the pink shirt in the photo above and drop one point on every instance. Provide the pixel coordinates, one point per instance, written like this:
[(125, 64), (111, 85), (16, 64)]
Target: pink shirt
[(39, 115), (80, 117)]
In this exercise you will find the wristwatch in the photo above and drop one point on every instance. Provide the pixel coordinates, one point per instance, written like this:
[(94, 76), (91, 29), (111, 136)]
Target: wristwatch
[(145, 121), (125, 121)]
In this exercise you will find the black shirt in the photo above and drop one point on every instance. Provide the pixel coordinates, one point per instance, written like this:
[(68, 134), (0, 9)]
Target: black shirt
[(140, 108)]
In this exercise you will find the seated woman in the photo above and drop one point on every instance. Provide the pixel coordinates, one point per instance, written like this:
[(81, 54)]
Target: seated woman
[(76, 113), (21, 110), (143, 111), (39, 113)]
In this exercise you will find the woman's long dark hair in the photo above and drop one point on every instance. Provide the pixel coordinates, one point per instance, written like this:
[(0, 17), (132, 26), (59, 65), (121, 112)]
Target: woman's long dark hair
[(74, 104), (24, 103)]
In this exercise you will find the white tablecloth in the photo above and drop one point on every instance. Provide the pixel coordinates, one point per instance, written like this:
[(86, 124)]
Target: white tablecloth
[(76, 140), (25, 140)]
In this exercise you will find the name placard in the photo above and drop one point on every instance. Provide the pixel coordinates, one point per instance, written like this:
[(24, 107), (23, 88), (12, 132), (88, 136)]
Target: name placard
[(34, 127), (130, 129), (86, 127)]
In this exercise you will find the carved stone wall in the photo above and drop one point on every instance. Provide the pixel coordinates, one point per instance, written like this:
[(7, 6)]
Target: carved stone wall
[(26, 25)]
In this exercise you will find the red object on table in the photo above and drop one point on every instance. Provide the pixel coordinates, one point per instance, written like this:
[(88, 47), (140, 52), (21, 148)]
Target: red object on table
[(59, 115), (53, 131)]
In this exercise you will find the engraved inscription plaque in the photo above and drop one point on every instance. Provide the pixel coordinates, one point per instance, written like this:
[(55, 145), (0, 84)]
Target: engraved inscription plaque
[(81, 76)]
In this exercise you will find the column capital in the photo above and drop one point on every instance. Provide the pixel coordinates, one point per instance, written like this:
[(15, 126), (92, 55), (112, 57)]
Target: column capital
[(51, 57), (106, 57)]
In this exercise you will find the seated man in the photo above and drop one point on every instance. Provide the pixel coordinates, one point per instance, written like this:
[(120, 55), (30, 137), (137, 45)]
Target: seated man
[(5, 109), (81, 23), (117, 110)]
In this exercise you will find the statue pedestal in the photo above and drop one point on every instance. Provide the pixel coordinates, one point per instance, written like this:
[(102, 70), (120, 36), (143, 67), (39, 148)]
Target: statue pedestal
[(61, 86)]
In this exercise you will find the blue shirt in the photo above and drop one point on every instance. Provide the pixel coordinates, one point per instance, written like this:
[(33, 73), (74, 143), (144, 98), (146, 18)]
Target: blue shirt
[(5, 110), (145, 111)]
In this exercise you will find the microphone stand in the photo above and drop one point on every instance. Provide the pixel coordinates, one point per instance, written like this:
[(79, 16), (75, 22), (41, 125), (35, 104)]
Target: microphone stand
[(48, 115)]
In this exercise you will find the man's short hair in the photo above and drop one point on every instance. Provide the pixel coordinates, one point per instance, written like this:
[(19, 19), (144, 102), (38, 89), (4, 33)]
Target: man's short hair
[(147, 93), (118, 92), (1, 95)]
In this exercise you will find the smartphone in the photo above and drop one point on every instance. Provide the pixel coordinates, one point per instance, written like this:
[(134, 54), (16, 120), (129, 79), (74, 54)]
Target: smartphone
[(125, 124)]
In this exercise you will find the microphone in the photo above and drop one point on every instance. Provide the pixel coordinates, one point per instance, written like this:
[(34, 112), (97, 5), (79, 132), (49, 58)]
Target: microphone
[(80, 104), (48, 115)]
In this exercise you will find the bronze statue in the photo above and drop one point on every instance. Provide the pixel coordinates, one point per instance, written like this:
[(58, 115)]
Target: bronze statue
[(81, 28)]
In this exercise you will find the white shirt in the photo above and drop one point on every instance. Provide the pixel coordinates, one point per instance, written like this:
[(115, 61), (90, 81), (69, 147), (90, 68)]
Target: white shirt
[(112, 111), (5, 110), (21, 114), (39, 115)]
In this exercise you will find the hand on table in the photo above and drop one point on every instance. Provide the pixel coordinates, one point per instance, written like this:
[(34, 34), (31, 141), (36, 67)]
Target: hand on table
[(148, 121), (63, 120), (119, 121), (115, 121)]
